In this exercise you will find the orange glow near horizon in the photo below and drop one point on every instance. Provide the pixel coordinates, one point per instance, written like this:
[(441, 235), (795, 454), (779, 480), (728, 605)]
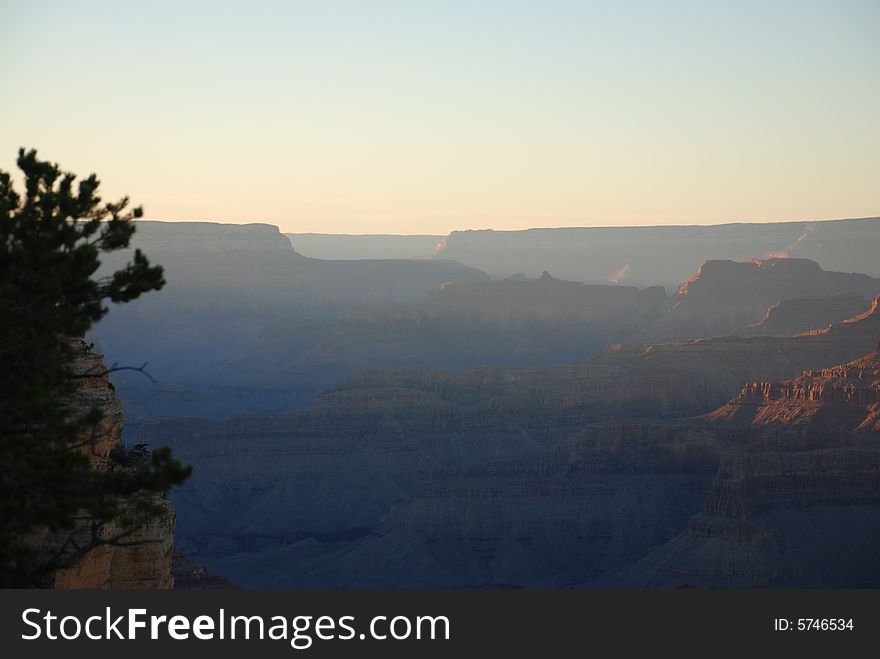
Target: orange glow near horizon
[(423, 118)]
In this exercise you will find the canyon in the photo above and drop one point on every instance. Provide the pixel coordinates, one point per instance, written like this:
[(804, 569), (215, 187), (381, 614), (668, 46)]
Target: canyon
[(376, 460), (249, 326), (412, 422), (664, 255), (798, 482)]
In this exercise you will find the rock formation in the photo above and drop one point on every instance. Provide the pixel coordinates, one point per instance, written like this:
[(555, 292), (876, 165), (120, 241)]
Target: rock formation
[(247, 325), (645, 256), (253, 268), (553, 475), (796, 499), (798, 315), (142, 559), (725, 295), (778, 487)]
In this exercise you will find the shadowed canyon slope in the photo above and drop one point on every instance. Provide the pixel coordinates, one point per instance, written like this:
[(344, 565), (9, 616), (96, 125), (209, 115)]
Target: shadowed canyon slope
[(412, 422), (505, 322), (796, 315), (725, 295), (796, 498), (489, 451), (226, 285), (779, 487), (247, 325)]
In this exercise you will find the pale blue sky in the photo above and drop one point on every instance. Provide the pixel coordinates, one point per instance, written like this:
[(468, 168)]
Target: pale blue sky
[(424, 117)]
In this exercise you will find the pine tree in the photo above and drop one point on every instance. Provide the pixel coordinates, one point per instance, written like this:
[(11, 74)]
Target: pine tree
[(51, 240)]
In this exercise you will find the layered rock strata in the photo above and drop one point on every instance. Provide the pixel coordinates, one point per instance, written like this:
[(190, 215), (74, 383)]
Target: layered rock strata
[(143, 558), (723, 296), (796, 498), (432, 444), (798, 315)]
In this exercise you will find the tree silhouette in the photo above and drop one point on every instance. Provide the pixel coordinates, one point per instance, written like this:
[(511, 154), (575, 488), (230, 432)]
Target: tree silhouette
[(51, 239)]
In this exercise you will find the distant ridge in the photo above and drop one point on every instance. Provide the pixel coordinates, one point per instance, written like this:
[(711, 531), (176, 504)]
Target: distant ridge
[(644, 256)]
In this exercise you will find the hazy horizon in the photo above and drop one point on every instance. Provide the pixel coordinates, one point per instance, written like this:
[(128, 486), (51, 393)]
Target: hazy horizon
[(424, 118), (524, 228)]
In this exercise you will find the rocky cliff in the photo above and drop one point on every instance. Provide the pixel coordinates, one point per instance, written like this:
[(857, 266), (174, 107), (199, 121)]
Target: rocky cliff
[(142, 559), (798, 315), (796, 498), (725, 295)]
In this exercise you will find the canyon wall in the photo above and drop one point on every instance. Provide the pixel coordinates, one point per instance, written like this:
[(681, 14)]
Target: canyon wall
[(247, 325), (797, 315), (723, 296), (227, 287), (377, 463), (143, 558), (778, 487), (646, 256), (796, 499)]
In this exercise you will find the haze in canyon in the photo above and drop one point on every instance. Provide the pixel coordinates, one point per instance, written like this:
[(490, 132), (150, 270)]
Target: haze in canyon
[(457, 294), (516, 417)]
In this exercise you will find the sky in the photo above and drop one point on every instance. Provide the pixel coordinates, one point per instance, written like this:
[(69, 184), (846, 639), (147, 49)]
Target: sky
[(430, 116)]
